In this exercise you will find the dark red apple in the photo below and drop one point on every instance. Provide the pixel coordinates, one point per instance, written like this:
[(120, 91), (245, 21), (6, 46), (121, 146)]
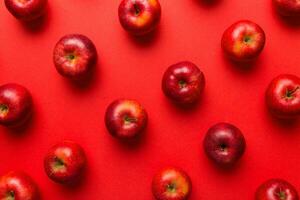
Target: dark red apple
[(276, 189), (183, 83), (283, 96), (15, 104), (224, 144), (288, 8), (17, 185), (65, 162), (139, 17), (125, 118), (243, 41), (75, 56), (171, 184), (26, 10)]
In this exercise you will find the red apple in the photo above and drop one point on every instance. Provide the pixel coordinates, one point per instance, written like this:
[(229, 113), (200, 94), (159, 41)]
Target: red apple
[(26, 10), (183, 83), (139, 17), (74, 56), (283, 96), (125, 118), (243, 41), (171, 184), (18, 186), (15, 104), (65, 162), (276, 189), (224, 144), (288, 8)]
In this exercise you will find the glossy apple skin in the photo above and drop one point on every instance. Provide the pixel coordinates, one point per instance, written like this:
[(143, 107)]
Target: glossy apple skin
[(243, 41), (26, 10), (65, 162), (19, 186), (171, 184), (283, 96), (75, 56), (183, 83), (276, 189), (125, 118), (288, 8), (15, 105), (139, 17), (224, 144)]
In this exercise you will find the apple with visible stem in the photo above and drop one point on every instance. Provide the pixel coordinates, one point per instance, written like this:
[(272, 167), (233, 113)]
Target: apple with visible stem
[(75, 56), (17, 185), (139, 17), (283, 96), (171, 184), (65, 162), (183, 83), (243, 41), (26, 10), (224, 144), (276, 189), (125, 118), (15, 105), (287, 8)]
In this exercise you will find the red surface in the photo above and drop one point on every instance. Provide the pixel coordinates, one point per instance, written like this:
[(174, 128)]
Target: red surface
[(189, 30)]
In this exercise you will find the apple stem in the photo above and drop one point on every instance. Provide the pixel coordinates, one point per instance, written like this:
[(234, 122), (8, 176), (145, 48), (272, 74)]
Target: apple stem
[(136, 9), (3, 109), (128, 119), (10, 195), (289, 93)]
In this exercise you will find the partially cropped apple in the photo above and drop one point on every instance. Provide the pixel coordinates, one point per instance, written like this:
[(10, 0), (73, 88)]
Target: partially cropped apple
[(276, 189), (75, 56), (243, 41), (15, 105), (139, 17), (64, 163), (125, 118), (183, 83), (283, 96), (224, 144), (171, 184), (26, 10), (288, 8), (17, 185)]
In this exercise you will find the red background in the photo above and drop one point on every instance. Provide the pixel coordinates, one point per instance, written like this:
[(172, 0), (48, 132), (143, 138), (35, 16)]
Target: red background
[(131, 68)]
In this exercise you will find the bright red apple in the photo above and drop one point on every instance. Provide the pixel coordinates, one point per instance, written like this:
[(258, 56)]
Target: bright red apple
[(74, 56), (15, 104), (171, 184), (276, 189), (17, 185), (183, 82), (243, 41), (224, 144), (283, 96), (288, 8), (139, 17), (125, 118), (65, 162), (26, 10)]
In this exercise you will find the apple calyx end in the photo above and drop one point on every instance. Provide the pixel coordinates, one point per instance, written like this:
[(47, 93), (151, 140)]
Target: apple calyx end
[(247, 39), (182, 84), (171, 187)]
